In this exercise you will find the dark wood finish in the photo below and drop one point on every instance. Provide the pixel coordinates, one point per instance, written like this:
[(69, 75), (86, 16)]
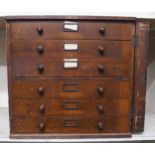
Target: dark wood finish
[(87, 49), (87, 30), (65, 106), (72, 18), (55, 68), (56, 136), (140, 72), (97, 98), (82, 88), (70, 124)]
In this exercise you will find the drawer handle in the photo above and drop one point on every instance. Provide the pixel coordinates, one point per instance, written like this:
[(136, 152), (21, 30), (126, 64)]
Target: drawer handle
[(41, 90), (102, 30), (101, 50), (100, 108), (100, 90), (70, 87), (40, 68), (42, 126), (42, 108), (100, 125), (71, 105), (71, 123), (40, 49), (40, 30), (101, 68)]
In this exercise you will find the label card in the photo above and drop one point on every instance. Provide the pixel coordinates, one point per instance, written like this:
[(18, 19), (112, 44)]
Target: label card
[(70, 47), (70, 63), (71, 26)]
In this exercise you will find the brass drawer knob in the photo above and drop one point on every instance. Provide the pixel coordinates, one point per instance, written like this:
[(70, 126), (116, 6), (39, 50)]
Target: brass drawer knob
[(102, 30), (40, 49), (41, 90), (42, 126), (100, 108), (42, 108), (101, 68), (40, 30), (100, 125), (100, 90), (40, 68), (101, 50)]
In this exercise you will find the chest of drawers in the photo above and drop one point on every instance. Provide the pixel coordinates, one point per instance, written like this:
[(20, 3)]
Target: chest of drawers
[(72, 76)]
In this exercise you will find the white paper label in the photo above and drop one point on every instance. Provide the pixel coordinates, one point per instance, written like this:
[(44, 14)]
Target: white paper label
[(69, 47), (70, 26), (70, 63)]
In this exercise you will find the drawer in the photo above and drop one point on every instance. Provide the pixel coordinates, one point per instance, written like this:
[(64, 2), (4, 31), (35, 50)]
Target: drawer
[(80, 30), (72, 48), (70, 68), (72, 124), (69, 88), (71, 107)]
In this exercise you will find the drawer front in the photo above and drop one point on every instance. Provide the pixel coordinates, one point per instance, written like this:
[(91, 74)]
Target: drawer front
[(69, 88), (70, 68), (64, 107), (85, 30), (72, 124), (71, 49)]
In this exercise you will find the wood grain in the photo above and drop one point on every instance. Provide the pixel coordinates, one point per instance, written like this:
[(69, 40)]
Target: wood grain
[(86, 49), (141, 60), (85, 68), (87, 30)]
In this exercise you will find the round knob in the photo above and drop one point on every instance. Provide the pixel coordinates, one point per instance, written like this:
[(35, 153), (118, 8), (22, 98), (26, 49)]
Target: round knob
[(102, 30), (42, 126), (100, 90), (101, 50), (100, 108), (40, 49), (40, 68), (40, 30), (100, 125), (42, 108), (41, 90), (101, 68)]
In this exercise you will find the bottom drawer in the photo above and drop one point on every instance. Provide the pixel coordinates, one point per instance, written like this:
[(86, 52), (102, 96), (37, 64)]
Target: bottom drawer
[(77, 124)]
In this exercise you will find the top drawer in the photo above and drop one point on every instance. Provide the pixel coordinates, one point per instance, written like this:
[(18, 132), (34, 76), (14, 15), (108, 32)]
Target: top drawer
[(71, 30)]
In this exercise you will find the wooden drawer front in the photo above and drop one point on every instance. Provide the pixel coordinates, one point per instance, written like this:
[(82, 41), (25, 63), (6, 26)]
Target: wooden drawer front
[(72, 124), (60, 107), (85, 49), (86, 30), (80, 88), (85, 68)]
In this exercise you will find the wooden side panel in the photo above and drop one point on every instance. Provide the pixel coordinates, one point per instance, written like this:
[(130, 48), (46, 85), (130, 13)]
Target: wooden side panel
[(140, 73)]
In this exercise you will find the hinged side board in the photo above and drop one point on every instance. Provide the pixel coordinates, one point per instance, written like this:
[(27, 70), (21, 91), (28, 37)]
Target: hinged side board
[(140, 73)]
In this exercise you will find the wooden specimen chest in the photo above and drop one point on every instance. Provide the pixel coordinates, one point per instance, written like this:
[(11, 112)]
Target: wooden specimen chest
[(76, 76)]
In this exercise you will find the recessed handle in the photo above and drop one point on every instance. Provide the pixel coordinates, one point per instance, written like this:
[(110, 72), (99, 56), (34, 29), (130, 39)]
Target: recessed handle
[(41, 90), (100, 90), (42, 126), (40, 49), (40, 30)]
